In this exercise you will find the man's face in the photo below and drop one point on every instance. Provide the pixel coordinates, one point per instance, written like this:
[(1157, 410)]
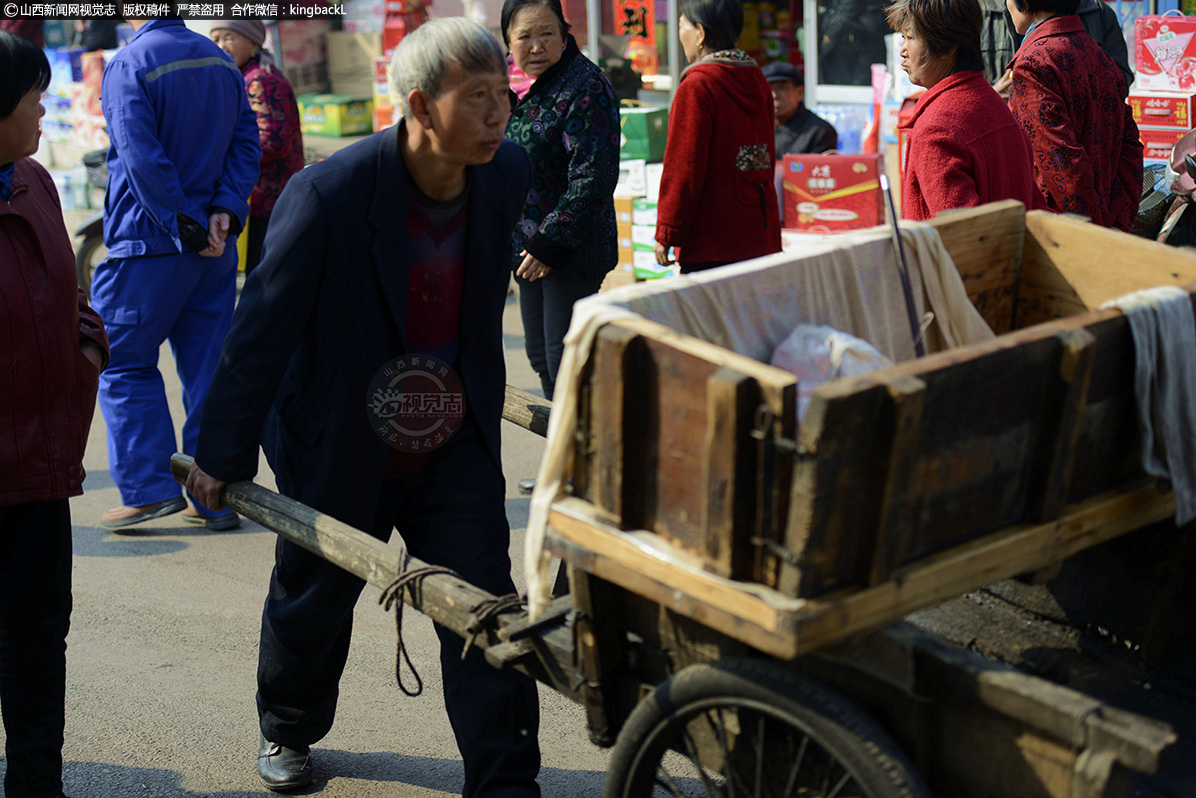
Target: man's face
[(469, 117), (786, 96)]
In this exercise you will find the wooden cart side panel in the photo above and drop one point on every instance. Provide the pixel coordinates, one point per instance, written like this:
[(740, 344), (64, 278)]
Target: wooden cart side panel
[(664, 395), (1070, 266), (987, 244), (1004, 432)]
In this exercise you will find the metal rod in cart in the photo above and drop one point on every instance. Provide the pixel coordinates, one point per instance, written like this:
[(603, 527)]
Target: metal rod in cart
[(899, 250)]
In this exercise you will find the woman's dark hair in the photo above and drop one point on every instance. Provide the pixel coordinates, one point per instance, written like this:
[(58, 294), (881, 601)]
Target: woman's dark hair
[(944, 25), (511, 6), (1056, 7), (23, 67), (721, 19)]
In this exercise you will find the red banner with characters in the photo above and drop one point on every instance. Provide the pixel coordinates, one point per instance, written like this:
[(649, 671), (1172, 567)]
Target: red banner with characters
[(637, 18)]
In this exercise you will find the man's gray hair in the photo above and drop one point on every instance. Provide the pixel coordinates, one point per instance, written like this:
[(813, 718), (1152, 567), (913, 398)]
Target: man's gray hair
[(423, 56)]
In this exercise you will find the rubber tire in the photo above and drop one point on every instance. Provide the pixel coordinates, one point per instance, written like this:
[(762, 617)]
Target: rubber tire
[(84, 265), (838, 725)]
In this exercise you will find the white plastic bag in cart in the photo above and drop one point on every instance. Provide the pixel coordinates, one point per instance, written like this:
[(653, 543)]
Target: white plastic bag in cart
[(818, 353)]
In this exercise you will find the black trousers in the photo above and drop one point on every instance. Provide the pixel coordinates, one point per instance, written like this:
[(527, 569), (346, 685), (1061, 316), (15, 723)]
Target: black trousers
[(547, 308), (253, 243), (453, 514), (35, 616)]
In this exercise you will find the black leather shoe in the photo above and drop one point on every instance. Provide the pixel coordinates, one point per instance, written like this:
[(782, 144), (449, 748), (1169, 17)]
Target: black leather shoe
[(283, 768)]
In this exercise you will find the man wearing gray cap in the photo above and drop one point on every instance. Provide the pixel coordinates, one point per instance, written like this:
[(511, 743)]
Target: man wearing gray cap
[(798, 128)]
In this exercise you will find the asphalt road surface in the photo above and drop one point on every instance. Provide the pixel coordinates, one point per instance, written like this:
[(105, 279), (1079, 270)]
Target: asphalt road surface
[(162, 657)]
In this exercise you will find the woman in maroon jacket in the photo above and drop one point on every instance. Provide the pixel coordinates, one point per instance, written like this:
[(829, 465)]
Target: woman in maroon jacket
[(965, 148), (1069, 96), (52, 348), (717, 202)]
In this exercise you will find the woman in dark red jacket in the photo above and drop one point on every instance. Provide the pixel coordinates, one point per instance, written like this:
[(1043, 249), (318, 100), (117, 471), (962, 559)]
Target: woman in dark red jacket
[(273, 101), (717, 202), (1069, 96), (965, 148), (52, 348)]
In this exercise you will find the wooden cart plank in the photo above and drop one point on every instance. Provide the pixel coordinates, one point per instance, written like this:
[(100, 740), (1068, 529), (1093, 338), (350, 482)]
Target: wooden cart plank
[(614, 350), (785, 627), (731, 399), (1072, 266), (1077, 348), (986, 245), (909, 399)]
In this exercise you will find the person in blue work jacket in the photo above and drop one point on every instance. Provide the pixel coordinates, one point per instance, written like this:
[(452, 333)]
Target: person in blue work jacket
[(182, 162)]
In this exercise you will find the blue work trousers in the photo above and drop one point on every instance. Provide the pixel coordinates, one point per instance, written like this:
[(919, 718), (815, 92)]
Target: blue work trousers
[(184, 299)]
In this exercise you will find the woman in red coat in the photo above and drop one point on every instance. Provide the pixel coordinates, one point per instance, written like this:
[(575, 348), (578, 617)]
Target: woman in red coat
[(717, 202), (52, 347), (1069, 97), (965, 148)]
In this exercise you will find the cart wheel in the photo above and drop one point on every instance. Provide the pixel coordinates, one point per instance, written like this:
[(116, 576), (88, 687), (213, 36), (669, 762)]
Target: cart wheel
[(90, 253), (754, 729)]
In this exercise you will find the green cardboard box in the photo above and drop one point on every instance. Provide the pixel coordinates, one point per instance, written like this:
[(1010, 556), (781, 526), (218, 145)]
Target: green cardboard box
[(335, 114), (644, 131)]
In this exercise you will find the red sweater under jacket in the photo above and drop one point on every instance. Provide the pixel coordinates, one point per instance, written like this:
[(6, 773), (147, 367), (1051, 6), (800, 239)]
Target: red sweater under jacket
[(47, 385), (717, 200), (965, 149), (1069, 97)]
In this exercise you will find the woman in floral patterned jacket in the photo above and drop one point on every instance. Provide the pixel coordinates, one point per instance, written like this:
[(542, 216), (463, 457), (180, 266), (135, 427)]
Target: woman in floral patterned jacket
[(1069, 96), (568, 122), (272, 100)]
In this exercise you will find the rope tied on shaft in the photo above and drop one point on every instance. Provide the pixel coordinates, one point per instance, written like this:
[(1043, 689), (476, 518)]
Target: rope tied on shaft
[(485, 612), (393, 595), (482, 616)]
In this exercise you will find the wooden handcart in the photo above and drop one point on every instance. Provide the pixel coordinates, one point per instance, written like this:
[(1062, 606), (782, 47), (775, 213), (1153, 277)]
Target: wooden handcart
[(738, 584)]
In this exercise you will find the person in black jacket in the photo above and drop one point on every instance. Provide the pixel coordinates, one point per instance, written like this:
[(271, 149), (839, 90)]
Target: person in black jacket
[(798, 128), (999, 41), (366, 356)]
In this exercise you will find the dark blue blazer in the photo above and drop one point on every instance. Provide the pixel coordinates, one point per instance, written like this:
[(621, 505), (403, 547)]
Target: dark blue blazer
[(326, 309)]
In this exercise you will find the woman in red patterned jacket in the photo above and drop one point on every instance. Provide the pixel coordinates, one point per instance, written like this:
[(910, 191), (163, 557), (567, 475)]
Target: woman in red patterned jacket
[(1069, 97), (271, 98), (52, 347), (717, 201)]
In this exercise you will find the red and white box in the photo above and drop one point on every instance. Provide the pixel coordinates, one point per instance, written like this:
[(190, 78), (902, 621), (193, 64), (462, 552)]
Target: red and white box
[(1157, 143), (832, 193), (1163, 109), (1165, 53)]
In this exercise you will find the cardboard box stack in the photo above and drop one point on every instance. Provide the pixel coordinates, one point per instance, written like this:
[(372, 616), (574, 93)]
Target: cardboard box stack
[(641, 152), (1164, 97), (335, 114), (386, 113), (624, 271), (832, 193), (1162, 117)]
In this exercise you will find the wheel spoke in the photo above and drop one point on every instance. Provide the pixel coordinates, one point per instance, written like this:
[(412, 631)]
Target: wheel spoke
[(759, 756), (665, 780), (843, 781), (791, 784), (720, 733), (696, 758)]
